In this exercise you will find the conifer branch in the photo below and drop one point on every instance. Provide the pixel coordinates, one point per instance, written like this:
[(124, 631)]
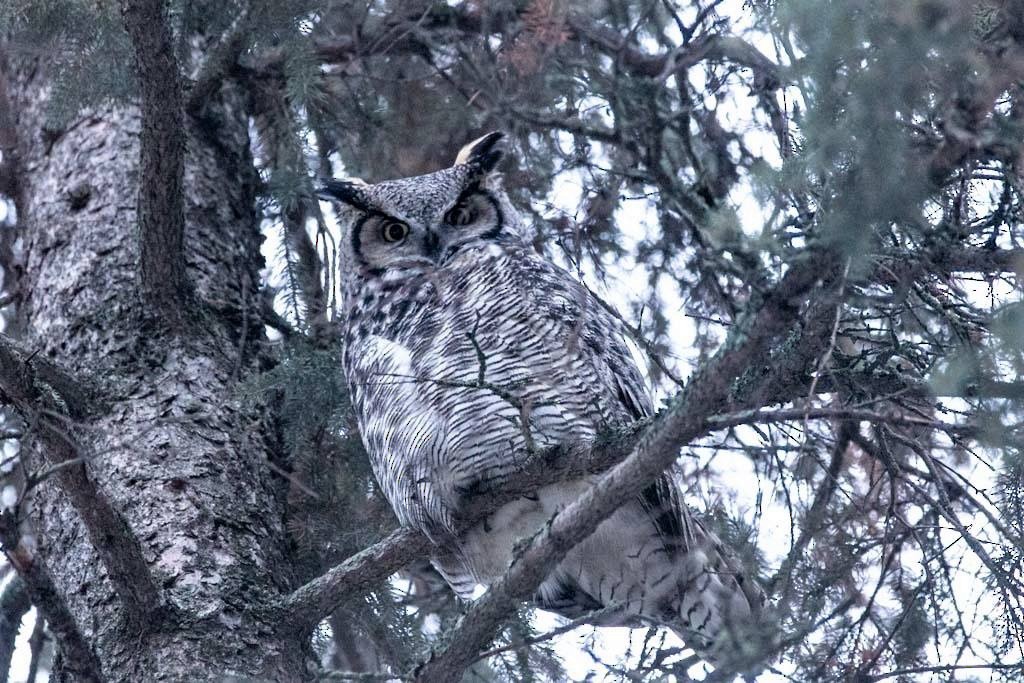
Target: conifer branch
[(115, 543), (365, 570), (278, 133), (161, 206)]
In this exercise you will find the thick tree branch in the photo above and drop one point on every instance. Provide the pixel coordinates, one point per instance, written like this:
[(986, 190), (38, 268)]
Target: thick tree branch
[(14, 604), (113, 539), (79, 659), (161, 208)]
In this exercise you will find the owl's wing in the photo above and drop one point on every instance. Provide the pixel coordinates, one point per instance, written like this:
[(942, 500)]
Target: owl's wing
[(586, 327), (602, 342), (396, 426)]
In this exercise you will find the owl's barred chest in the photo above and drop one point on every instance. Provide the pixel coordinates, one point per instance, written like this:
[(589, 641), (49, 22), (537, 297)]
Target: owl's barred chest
[(480, 308), (492, 336)]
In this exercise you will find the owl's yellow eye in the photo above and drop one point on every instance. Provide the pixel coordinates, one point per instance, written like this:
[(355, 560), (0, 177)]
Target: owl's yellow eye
[(394, 231), (460, 214)]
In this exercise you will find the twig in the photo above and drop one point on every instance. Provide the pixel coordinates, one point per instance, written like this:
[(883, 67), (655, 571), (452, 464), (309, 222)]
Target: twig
[(944, 668), (815, 516), (855, 414), (554, 633), (36, 641)]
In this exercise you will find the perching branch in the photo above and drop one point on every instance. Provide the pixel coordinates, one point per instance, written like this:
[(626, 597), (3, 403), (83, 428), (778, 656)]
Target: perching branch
[(747, 346), (311, 603), (161, 208), (117, 546)]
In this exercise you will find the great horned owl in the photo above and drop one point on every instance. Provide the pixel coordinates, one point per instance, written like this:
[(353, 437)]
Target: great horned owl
[(464, 351)]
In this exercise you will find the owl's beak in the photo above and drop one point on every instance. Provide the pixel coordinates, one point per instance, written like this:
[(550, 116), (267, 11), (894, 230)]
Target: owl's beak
[(432, 245)]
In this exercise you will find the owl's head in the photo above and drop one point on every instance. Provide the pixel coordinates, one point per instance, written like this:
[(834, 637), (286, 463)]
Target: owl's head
[(400, 228)]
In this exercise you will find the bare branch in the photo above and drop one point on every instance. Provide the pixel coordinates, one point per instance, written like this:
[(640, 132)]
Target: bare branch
[(946, 669), (711, 46), (306, 606), (813, 520), (36, 641), (161, 212)]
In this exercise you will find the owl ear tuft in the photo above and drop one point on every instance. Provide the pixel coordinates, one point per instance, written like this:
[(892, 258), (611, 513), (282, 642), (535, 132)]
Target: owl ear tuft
[(485, 152), (351, 191)]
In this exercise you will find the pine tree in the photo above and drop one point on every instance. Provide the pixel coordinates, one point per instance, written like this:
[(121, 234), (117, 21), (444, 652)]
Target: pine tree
[(816, 206)]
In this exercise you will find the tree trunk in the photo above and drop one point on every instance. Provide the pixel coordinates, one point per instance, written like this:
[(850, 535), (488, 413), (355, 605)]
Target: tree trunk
[(183, 461)]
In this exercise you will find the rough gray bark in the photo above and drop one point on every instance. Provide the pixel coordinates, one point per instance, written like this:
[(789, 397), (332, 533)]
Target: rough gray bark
[(183, 463)]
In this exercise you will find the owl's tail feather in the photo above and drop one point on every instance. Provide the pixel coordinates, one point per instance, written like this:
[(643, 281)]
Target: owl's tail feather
[(719, 610)]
